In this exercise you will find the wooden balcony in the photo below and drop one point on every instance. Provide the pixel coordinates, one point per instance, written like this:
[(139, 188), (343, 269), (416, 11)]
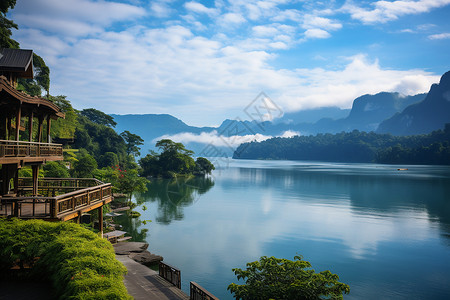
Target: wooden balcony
[(59, 198), (15, 151)]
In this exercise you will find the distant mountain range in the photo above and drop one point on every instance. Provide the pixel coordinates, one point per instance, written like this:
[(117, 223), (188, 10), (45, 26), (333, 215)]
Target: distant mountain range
[(423, 117), (383, 113)]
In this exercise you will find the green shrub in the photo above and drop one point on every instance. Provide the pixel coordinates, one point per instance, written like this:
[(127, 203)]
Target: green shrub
[(79, 264)]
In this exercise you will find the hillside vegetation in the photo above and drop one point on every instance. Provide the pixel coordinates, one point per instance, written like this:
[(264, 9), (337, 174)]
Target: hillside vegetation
[(356, 146)]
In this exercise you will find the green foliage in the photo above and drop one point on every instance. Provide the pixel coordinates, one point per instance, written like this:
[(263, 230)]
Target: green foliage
[(85, 166), (203, 166), (98, 117), (6, 25), (79, 264), (99, 139), (133, 141), (108, 159), (56, 170), (173, 160), (278, 278), (129, 181), (64, 128), (356, 146)]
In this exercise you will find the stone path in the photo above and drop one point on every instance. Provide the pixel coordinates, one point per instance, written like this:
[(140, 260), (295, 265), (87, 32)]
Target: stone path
[(144, 283)]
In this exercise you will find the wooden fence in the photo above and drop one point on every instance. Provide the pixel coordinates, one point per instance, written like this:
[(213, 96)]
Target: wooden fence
[(197, 292), (29, 149), (66, 198), (171, 274)]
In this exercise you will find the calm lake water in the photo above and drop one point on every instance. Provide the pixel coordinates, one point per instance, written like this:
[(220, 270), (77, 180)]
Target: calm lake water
[(385, 232)]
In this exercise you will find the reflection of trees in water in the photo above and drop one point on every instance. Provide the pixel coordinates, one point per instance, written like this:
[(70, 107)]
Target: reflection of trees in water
[(376, 190), (172, 195), (131, 226)]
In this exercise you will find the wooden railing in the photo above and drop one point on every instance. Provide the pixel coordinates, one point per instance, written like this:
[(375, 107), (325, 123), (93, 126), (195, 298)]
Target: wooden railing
[(171, 274), (197, 292), (51, 187), (29, 149), (56, 207)]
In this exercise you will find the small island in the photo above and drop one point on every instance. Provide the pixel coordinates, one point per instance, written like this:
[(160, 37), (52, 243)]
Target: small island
[(173, 161)]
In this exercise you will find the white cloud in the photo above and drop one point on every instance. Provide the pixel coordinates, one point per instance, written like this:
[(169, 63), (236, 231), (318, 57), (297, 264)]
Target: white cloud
[(231, 19), (218, 140), (169, 67), (312, 22), (160, 9), (320, 87), (200, 8), (72, 17), (440, 36), (214, 138), (316, 34), (385, 11), (290, 133)]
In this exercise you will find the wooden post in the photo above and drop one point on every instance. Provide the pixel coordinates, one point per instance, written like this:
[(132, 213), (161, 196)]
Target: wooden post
[(30, 127), (49, 125), (35, 169), (41, 121), (100, 220), (9, 128), (18, 117), (16, 181)]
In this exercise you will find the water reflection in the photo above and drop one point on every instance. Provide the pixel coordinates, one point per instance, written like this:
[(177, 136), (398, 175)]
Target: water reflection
[(172, 195), (370, 224), (372, 189)]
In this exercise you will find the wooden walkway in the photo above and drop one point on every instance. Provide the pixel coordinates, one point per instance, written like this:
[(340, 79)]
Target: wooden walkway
[(145, 284)]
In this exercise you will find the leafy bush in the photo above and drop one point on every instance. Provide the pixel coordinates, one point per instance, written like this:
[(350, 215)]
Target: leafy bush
[(283, 279), (79, 264)]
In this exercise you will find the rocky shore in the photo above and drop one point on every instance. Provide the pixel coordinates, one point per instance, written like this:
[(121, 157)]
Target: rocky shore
[(138, 252)]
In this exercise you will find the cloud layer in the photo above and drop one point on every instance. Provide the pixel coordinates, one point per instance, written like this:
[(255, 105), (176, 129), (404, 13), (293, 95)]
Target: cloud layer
[(204, 62)]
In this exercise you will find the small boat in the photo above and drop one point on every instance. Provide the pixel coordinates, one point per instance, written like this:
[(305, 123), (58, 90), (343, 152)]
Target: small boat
[(402, 169)]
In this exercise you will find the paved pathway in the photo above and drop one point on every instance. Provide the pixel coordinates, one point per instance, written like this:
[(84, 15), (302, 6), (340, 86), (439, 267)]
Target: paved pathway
[(145, 283)]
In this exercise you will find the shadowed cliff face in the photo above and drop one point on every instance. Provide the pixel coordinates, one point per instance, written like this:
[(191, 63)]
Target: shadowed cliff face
[(430, 114)]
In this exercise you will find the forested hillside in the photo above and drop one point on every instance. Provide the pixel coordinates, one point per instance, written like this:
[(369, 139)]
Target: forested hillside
[(356, 146)]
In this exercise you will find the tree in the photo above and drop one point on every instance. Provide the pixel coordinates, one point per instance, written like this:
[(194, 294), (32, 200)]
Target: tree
[(278, 278), (129, 181), (108, 159), (98, 117), (64, 128), (173, 160), (133, 141), (6, 25), (56, 170), (85, 166), (203, 166)]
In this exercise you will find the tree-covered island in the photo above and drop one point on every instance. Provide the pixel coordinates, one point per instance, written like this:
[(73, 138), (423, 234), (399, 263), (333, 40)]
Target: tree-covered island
[(172, 161)]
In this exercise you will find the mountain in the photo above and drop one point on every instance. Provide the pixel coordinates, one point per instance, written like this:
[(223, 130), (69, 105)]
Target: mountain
[(423, 117), (152, 126), (369, 111), (312, 115)]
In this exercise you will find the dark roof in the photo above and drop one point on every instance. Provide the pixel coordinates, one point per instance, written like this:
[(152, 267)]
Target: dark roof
[(18, 61)]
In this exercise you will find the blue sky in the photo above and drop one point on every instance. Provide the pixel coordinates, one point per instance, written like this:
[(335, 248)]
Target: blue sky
[(205, 61)]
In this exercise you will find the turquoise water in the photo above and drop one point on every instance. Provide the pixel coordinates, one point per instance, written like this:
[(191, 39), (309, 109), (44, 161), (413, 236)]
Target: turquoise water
[(385, 232)]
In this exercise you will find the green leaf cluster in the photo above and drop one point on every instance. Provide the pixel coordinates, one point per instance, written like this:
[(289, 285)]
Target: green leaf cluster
[(78, 263), (173, 160), (283, 279)]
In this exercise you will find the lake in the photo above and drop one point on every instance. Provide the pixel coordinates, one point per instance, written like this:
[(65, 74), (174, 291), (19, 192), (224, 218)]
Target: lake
[(384, 231)]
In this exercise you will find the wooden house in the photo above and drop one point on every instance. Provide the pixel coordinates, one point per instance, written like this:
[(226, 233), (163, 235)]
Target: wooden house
[(25, 140)]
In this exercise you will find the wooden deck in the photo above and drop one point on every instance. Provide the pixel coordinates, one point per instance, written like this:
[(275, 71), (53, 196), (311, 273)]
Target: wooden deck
[(70, 198)]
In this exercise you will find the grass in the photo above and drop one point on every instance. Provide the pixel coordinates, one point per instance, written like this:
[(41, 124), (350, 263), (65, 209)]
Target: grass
[(78, 263)]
